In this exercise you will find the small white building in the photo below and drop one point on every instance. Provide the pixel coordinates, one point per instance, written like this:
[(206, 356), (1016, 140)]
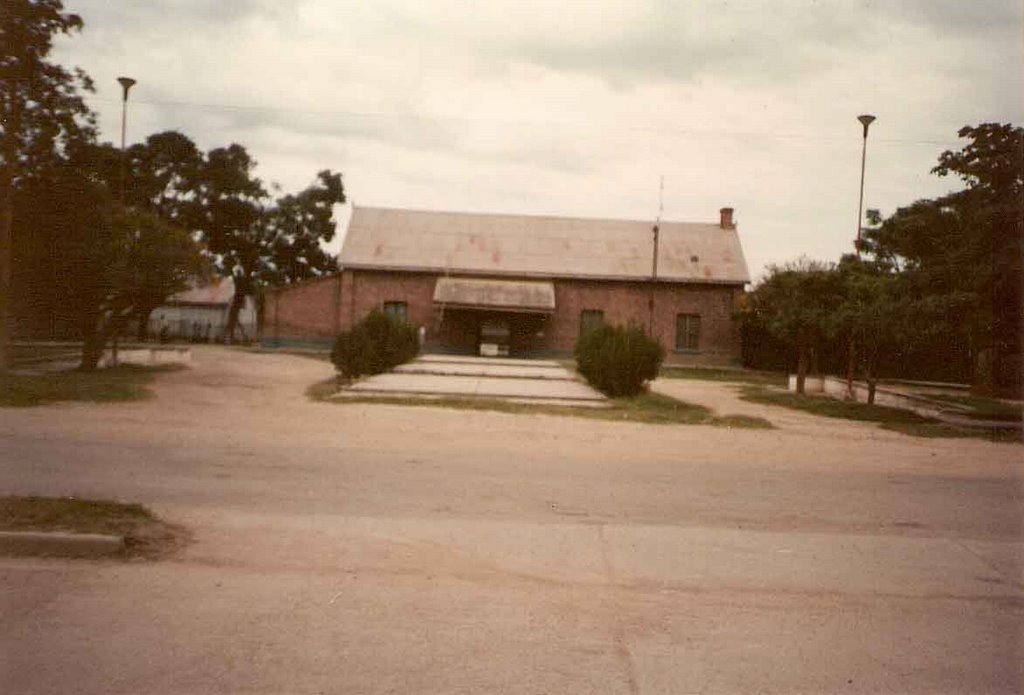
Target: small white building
[(200, 314)]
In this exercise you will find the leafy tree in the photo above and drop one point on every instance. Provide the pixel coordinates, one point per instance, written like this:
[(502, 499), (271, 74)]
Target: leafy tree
[(138, 260), (58, 211), (961, 254), (86, 266), (41, 114), (161, 177), (257, 242), (247, 235), (871, 316), (161, 174), (794, 303), (285, 245)]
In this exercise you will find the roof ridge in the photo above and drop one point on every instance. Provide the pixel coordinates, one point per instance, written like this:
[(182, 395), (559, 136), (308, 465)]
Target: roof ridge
[(467, 213)]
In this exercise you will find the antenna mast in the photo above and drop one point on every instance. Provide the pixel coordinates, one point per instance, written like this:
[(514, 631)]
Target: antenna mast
[(657, 224), (654, 257)]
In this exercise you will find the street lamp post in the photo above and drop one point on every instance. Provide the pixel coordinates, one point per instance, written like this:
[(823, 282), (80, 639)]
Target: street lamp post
[(865, 120), (126, 84)]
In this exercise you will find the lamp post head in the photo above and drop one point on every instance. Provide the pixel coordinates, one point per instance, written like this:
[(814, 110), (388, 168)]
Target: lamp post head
[(866, 120), (126, 84)]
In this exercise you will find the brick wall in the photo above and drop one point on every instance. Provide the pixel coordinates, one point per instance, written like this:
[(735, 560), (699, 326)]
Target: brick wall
[(318, 309), (368, 290), (304, 312), (626, 303)]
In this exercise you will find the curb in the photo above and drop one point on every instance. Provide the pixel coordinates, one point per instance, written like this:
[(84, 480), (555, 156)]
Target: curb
[(59, 544)]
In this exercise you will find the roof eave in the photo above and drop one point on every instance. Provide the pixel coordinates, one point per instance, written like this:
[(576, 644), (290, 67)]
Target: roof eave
[(477, 272)]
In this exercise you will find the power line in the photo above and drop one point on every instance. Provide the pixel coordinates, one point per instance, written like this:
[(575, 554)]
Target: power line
[(690, 132)]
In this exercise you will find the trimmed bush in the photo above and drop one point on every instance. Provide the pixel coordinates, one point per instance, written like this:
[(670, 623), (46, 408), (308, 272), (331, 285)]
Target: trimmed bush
[(618, 361), (376, 344)]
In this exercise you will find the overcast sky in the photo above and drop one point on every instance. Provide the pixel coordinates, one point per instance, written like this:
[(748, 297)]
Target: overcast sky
[(577, 107)]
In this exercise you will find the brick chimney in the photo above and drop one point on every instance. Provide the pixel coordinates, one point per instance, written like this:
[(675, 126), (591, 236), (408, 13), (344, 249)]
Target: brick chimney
[(726, 219)]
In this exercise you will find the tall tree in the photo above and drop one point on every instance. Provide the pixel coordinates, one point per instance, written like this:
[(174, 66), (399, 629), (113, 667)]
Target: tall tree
[(293, 232), (161, 173), (228, 212), (139, 260), (961, 253), (248, 236), (871, 316), (87, 266), (257, 242), (161, 178), (41, 112), (59, 212)]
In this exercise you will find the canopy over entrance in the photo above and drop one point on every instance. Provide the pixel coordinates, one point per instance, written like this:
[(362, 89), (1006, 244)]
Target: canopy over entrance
[(520, 296)]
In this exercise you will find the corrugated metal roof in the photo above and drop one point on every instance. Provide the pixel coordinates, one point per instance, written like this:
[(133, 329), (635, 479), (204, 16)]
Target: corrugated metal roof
[(512, 295), (535, 246), (217, 291)]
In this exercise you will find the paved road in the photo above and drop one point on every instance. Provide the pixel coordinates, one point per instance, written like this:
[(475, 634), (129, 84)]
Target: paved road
[(378, 549)]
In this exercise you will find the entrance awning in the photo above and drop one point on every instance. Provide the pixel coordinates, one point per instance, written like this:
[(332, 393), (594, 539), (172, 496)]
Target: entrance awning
[(497, 295)]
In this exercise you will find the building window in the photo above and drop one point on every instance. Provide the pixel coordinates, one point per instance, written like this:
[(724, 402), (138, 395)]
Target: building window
[(400, 310), (687, 332), (590, 319)]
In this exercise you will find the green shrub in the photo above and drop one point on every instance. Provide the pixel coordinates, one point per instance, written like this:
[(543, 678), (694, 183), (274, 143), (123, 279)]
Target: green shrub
[(376, 344), (618, 361)]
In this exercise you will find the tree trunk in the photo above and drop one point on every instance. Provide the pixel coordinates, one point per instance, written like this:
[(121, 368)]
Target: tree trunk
[(801, 369), (143, 325), (96, 340), (981, 383), (12, 133), (6, 239), (851, 357), (237, 302), (92, 348), (261, 308)]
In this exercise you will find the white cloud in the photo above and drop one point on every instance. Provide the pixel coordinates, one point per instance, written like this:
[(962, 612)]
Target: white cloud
[(574, 108)]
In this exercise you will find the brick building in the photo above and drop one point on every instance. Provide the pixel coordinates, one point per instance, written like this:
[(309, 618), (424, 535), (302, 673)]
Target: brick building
[(525, 285)]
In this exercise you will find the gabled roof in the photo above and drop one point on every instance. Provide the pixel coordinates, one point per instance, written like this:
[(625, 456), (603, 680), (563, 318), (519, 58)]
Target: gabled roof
[(218, 291), (535, 246)]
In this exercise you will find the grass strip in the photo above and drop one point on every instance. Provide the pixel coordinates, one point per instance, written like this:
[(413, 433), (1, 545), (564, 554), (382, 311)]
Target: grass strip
[(123, 383), (895, 419), (735, 376), (145, 535), (983, 408), (653, 408)]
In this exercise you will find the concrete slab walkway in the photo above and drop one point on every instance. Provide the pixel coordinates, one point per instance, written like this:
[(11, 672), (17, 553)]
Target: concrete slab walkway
[(472, 359), (529, 381), (452, 365)]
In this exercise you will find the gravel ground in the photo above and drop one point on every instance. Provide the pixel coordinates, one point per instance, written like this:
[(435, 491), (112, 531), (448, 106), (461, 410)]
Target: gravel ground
[(366, 548)]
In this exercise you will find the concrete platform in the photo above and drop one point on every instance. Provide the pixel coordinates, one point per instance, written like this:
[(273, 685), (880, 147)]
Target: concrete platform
[(503, 361), (485, 368), (440, 397), (479, 377)]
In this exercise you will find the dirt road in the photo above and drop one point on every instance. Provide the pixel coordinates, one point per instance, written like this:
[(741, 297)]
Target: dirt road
[(375, 549)]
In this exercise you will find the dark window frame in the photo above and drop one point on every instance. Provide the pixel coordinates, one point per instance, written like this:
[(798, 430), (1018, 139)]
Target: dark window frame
[(688, 330), (390, 307)]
